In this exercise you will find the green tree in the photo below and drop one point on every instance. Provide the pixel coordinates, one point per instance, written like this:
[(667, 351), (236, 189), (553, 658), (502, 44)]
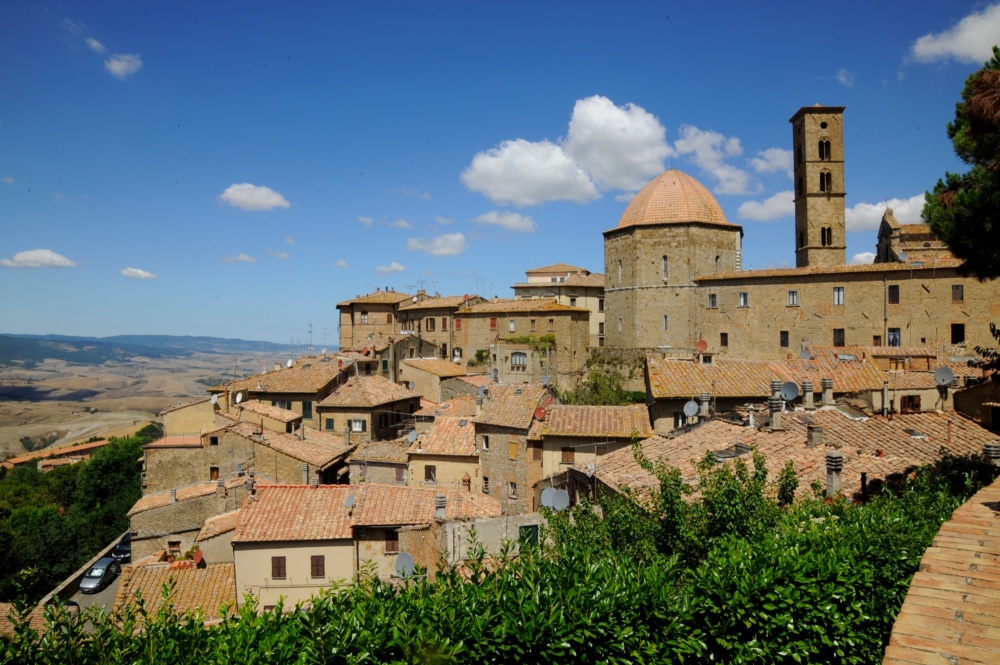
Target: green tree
[(964, 209), (604, 387)]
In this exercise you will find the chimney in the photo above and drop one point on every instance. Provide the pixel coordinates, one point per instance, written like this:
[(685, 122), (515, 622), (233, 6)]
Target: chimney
[(775, 406), (305, 473), (775, 388), (173, 496), (277, 366), (808, 397), (315, 481), (479, 406), (885, 399), (220, 488), (703, 411), (834, 465), (302, 431), (814, 437), (992, 452), (827, 392), (440, 507), (250, 486), (347, 436)]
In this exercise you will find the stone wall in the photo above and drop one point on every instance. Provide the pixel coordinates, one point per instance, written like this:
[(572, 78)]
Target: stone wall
[(382, 473), (176, 467), (506, 459), (181, 521), (450, 471)]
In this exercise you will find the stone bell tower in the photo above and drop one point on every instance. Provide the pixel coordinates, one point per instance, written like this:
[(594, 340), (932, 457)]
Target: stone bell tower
[(818, 138)]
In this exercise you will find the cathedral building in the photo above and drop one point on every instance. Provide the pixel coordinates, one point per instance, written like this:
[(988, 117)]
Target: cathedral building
[(674, 279)]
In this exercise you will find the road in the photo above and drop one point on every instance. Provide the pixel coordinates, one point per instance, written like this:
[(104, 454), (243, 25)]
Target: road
[(104, 598)]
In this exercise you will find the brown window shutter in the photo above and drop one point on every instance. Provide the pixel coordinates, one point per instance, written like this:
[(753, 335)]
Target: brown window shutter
[(278, 567), (317, 565)]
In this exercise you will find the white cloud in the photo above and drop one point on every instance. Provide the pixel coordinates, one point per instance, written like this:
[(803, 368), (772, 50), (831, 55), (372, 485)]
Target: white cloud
[(339, 263), (449, 244), (240, 258), (511, 221), (775, 207), (709, 150), (123, 65), (401, 224), (863, 257), (867, 216), (253, 197), (289, 240), (443, 221), (7, 180), (773, 160), (845, 77), (38, 258), (409, 191), (367, 221), (95, 45), (525, 173), (619, 147), (969, 41), (279, 255), (391, 268), (137, 273), (625, 197)]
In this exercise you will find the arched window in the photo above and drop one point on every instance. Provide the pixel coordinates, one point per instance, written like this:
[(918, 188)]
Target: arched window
[(518, 360), (826, 181), (619, 324), (619, 272), (824, 150), (665, 267), (826, 234)]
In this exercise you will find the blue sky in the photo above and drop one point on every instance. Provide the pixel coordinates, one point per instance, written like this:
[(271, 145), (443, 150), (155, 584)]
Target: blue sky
[(236, 169)]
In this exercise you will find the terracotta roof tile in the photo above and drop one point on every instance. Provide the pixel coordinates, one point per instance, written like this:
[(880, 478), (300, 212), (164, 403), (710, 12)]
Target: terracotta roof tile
[(308, 376), (512, 405), (273, 412), (478, 380), (194, 589), (320, 449), (392, 451), (218, 525), (446, 302), (449, 435), (558, 267), (190, 441), (365, 392), (82, 448), (160, 499), (184, 405), (523, 305), (597, 421), (673, 197), (377, 298), (459, 406), (593, 280), (294, 512), (935, 264), (36, 619), (397, 505), (950, 614), (436, 366)]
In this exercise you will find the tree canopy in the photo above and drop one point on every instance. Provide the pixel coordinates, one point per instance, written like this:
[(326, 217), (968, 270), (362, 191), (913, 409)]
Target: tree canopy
[(964, 209)]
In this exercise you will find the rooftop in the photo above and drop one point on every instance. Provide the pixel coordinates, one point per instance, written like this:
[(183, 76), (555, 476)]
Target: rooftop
[(436, 366), (218, 525), (264, 409), (78, 449), (512, 405), (459, 406), (390, 452), (295, 512), (673, 197), (509, 305), (398, 505), (619, 422), (448, 435), (387, 297), (443, 302), (194, 589), (588, 280), (785, 273), (309, 377), (176, 441), (561, 268), (320, 449), (366, 392)]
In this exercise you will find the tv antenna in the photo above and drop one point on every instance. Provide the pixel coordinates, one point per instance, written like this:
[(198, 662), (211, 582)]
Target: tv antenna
[(310, 347)]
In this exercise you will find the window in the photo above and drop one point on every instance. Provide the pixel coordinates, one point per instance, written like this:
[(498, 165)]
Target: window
[(317, 565), (957, 333), (619, 272), (511, 326), (838, 295), (364, 317), (400, 474), (876, 340), (511, 489), (554, 279), (568, 456), (793, 298), (909, 404), (838, 337), (430, 474), (744, 299), (531, 325), (798, 186), (213, 440), (493, 323), (383, 419), (385, 364), (894, 294), (285, 404), (527, 535), (619, 324), (213, 473), (825, 181), (444, 350), (798, 154), (330, 426), (723, 340), (359, 425), (665, 267), (307, 405), (572, 302), (895, 338), (388, 318), (486, 485), (458, 324), (444, 323), (536, 452), (391, 541), (512, 450), (713, 300), (783, 339), (826, 236), (467, 483), (666, 322), (552, 325), (824, 150), (600, 304), (519, 360), (278, 567), (429, 324), (486, 442), (957, 293), (802, 238), (600, 328)]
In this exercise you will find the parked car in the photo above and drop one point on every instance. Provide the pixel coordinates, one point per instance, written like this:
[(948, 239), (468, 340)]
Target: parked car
[(122, 552), (100, 575)]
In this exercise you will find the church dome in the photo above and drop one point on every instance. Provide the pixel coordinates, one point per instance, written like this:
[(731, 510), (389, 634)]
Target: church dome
[(673, 197)]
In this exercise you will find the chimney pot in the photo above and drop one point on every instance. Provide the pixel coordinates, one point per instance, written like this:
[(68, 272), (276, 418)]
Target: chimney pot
[(992, 452), (173, 496), (440, 507), (814, 437), (775, 388), (827, 392), (703, 411), (834, 465), (775, 405), (808, 396)]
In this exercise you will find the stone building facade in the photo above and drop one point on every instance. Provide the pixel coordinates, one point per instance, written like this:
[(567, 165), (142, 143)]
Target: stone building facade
[(433, 320), (820, 230), (569, 285), (376, 313)]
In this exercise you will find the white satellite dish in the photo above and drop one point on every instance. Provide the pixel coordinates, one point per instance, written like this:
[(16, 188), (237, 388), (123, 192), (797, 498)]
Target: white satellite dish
[(411, 385), (323, 351), (412, 436), (239, 397), (289, 363), (404, 565), (482, 390), (789, 391), (943, 376), (560, 500), (547, 495), (349, 502), (215, 400), (545, 379), (690, 408)]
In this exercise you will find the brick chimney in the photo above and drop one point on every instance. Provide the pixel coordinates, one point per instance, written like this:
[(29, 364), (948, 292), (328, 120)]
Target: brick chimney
[(814, 438), (808, 397), (827, 392), (440, 507), (834, 465), (703, 410)]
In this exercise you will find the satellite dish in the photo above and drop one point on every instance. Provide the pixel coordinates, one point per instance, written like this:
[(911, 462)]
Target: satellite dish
[(560, 500), (943, 376), (482, 390), (591, 468), (239, 397), (411, 385), (690, 408), (545, 379), (404, 565), (547, 495), (349, 502), (289, 363), (701, 346), (548, 400), (412, 436), (540, 413), (496, 374), (323, 351), (215, 400), (789, 391)]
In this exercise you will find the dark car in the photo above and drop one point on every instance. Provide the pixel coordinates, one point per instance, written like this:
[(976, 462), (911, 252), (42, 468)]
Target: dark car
[(100, 575), (122, 552)]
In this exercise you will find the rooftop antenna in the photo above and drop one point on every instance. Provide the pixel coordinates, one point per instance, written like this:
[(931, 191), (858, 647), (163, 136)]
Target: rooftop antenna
[(690, 408), (789, 391), (289, 363), (310, 339), (943, 376), (404, 565)]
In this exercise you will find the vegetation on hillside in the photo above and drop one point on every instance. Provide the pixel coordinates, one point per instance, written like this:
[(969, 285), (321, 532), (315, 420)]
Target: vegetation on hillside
[(602, 387), (732, 577), (52, 523)]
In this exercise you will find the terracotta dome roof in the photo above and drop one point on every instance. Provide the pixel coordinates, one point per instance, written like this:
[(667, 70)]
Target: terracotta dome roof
[(673, 197)]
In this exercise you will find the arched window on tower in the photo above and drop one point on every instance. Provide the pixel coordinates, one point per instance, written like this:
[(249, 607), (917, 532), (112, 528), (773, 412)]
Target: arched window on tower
[(619, 272), (826, 234), (665, 267), (826, 181), (824, 150)]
